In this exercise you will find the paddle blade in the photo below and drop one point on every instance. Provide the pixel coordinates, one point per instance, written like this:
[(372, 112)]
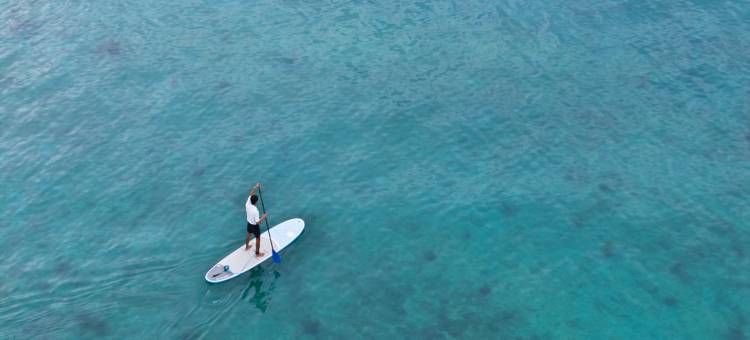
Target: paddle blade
[(275, 256)]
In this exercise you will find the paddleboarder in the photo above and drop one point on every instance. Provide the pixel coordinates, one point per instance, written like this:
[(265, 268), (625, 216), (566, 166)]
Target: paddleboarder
[(253, 221)]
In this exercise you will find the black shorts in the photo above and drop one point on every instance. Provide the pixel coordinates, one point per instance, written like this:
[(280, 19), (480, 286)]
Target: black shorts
[(253, 229)]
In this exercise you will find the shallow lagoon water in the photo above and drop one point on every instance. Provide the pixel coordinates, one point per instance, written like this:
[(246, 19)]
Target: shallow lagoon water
[(466, 169)]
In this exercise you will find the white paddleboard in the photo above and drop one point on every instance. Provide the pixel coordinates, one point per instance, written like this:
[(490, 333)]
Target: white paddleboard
[(241, 260)]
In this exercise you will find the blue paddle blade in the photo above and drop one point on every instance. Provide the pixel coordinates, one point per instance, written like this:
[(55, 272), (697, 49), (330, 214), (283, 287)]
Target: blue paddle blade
[(275, 256)]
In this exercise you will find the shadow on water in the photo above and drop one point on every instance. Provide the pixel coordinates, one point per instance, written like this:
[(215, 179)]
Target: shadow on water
[(261, 296)]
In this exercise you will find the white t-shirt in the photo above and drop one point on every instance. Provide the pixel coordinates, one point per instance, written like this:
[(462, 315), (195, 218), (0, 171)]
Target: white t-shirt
[(253, 216)]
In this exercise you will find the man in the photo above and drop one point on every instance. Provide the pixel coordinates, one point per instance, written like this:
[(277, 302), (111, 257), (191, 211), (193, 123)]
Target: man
[(253, 221)]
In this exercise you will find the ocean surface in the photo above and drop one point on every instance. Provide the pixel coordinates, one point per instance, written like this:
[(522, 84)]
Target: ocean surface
[(466, 169)]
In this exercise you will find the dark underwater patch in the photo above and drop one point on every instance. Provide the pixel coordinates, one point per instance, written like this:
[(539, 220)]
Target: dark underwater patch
[(578, 221), (485, 290), (669, 301), (311, 327), (738, 250), (721, 229), (678, 271), (508, 315), (608, 249), (574, 323), (736, 332), (502, 323), (429, 256), (507, 209), (737, 329), (454, 328), (664, 244)]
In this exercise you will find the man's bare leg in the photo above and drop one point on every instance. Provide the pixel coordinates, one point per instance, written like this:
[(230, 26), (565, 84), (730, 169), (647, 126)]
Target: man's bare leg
[(247, 241), (257, 248)]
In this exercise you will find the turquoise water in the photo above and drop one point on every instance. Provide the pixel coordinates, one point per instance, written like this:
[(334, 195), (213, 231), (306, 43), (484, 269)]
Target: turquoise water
[(514, 169)]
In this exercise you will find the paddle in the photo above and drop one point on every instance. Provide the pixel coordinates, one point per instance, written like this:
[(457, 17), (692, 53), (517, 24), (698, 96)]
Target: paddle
[(274, 254)]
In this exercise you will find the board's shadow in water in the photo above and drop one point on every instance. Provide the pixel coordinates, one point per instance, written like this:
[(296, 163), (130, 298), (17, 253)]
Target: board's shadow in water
[(261, 296)]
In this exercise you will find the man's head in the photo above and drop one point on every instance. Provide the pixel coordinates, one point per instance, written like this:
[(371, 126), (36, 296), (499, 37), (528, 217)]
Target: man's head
[(253, 199)]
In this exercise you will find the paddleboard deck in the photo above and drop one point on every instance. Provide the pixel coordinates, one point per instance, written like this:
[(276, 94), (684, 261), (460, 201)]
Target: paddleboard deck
[(241, 260)]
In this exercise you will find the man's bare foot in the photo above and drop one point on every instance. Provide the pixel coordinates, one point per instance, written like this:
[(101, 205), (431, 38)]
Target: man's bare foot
[(260, 254), (248, 248)]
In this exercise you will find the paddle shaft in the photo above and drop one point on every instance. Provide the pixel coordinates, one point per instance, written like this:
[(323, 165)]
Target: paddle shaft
[(263, 206)]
